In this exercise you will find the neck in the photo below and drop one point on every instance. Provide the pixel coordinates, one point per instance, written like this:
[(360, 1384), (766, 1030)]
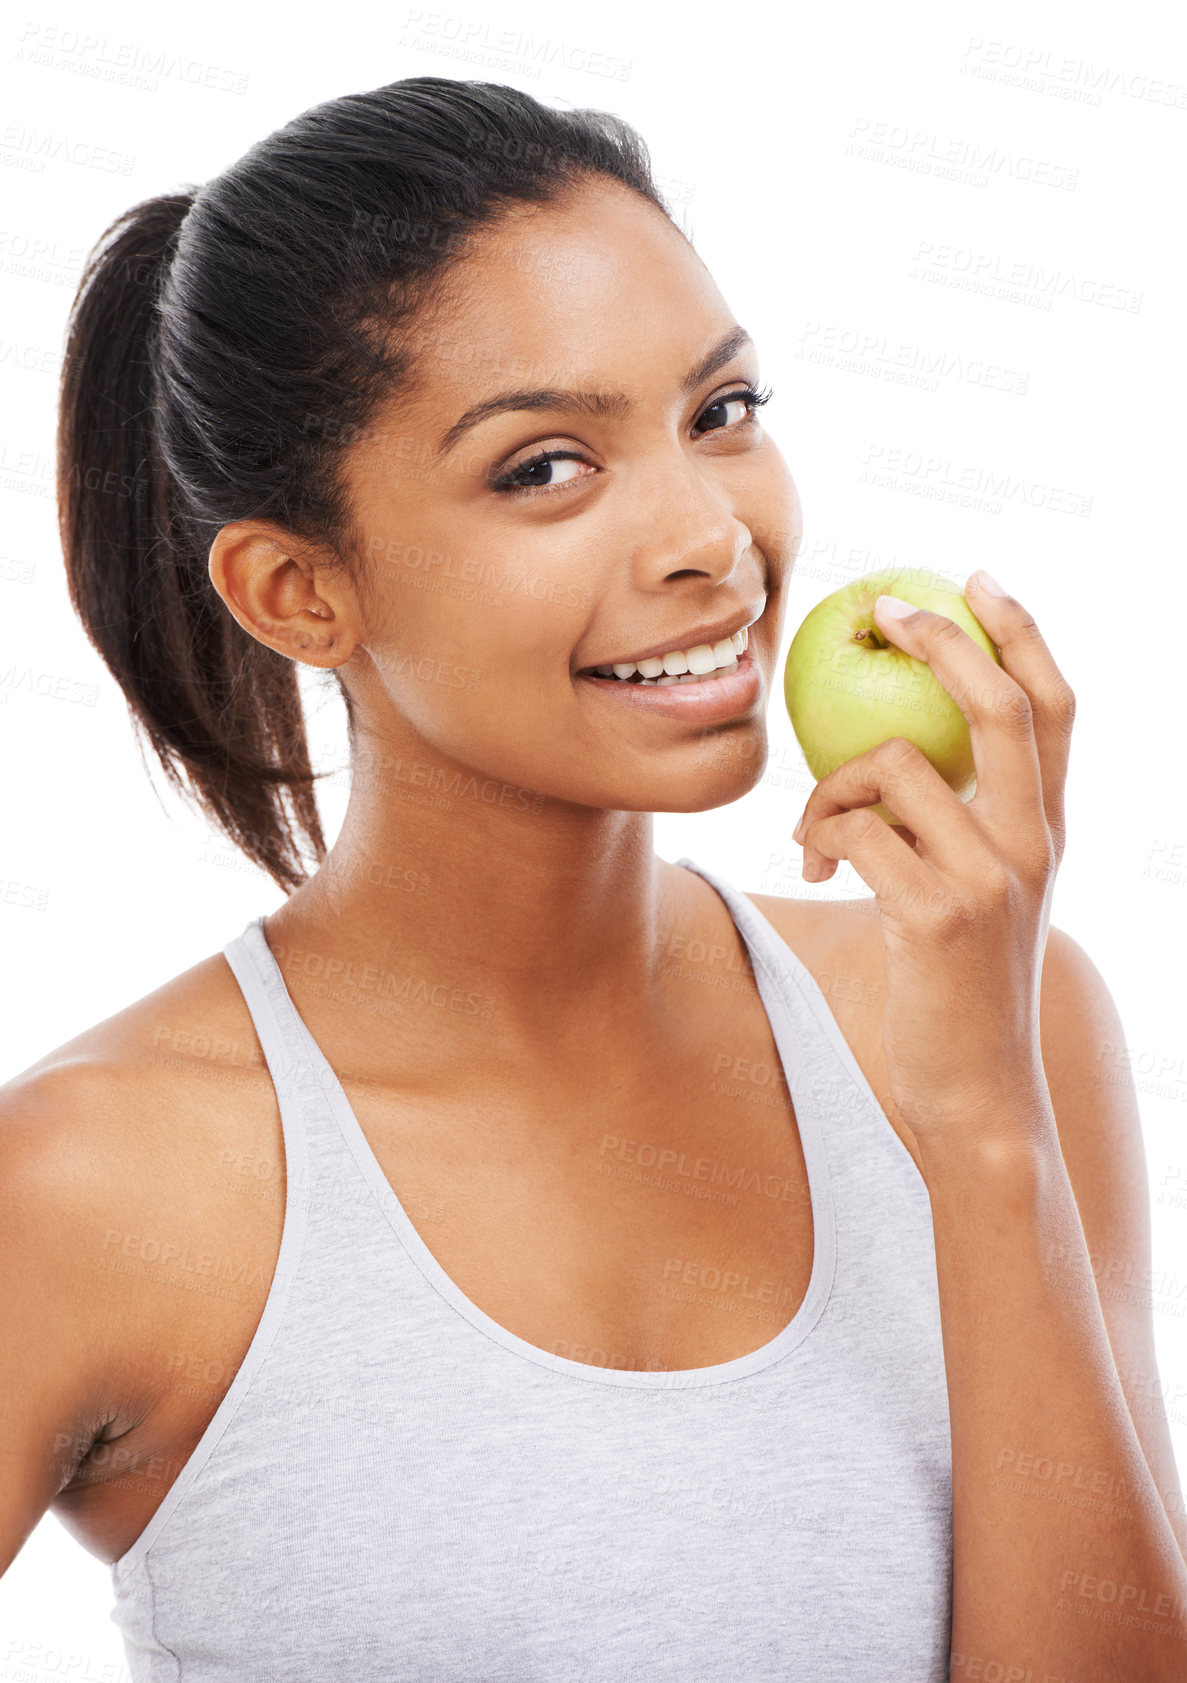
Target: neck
[(543, 906)]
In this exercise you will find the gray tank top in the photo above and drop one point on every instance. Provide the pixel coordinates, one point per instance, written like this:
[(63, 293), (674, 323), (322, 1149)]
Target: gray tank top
[(396, 1488)]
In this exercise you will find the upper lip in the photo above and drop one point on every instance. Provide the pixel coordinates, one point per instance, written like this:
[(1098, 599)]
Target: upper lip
[(710, 633)]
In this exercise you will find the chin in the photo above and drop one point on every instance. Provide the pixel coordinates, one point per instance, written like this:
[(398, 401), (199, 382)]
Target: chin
[(724, 764)]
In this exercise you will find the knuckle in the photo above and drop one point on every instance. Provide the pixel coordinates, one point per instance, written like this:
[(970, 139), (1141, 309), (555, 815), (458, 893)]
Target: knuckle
[(1063, 706), (996, 883), (1040, 858), (1058, 834), (860, 823), (948, 915), (946, 630), (1014, 711), (987, 880), (981, 906), (903, 767), (896, 752)]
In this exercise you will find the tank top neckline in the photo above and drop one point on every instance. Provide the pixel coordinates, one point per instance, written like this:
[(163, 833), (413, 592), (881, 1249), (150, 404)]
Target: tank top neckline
[(776, 969)]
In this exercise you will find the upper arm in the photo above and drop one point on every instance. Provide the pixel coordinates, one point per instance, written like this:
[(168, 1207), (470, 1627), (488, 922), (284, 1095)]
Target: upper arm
[(1100, 1136), (52, 1319)]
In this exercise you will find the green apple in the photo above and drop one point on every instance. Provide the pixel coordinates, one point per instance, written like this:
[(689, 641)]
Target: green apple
[(848, 688)]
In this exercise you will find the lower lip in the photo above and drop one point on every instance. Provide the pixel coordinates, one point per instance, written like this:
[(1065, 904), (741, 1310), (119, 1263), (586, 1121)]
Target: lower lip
[(708, 702)]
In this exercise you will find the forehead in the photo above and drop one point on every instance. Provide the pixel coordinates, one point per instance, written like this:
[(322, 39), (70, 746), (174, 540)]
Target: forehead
[(582, 291)]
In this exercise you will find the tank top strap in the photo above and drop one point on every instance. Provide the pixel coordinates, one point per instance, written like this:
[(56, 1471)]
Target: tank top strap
[(276, 1025), (326, 1155), (820, 1056), (842, 1123), (300, 1093)]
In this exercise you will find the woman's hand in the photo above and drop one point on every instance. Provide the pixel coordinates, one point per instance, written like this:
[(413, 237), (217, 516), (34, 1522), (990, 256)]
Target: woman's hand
[(962, 889)]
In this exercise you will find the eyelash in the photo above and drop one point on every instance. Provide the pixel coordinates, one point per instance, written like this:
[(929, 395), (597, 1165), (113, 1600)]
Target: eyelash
[(506, 485)]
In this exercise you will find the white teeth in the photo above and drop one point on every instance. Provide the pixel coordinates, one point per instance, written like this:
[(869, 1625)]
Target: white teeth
[(698, 662)]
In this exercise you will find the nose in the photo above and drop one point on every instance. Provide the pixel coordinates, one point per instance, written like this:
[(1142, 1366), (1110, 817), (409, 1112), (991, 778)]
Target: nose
[(687, 529)]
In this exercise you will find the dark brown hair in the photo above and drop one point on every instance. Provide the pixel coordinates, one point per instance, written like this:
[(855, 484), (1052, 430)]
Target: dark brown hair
[(224, 345)]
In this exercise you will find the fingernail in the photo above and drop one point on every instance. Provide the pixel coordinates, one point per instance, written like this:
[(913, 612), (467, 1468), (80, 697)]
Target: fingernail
[(893, 607), (810, 871), (986, 582), (797, 835)]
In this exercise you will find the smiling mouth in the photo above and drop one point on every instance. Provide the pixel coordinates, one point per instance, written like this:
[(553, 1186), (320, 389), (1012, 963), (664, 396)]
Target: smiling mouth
[(678, 666)]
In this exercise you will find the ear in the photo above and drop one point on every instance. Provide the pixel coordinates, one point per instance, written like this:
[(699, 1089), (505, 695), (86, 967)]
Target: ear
[(271, 583)]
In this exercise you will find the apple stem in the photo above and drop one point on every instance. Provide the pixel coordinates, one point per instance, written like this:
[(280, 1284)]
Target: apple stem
[(872, 636)]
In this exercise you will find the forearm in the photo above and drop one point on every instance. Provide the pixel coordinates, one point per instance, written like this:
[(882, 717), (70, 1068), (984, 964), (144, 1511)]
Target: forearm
[(1065, 1564)]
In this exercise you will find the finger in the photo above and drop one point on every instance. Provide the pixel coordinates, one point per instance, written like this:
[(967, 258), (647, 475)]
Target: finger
[(998, 711), (1028, 660), (896, 874), (899, 774)]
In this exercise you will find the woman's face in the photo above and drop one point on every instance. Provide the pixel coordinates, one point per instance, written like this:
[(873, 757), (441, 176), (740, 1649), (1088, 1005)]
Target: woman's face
[(663, 517)]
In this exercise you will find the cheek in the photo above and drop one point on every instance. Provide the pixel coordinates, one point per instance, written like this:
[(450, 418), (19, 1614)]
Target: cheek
[(778, 516), (475, 623), (468, 657)]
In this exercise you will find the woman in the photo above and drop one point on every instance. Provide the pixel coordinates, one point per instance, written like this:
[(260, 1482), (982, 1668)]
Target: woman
[(568, 1281)]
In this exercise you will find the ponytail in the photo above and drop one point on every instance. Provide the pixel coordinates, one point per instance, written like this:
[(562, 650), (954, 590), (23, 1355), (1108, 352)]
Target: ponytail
[(220, 709), (225, 345)]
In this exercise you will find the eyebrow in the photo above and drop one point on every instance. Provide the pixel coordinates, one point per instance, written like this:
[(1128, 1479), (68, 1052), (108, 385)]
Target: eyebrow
[(588, 402)]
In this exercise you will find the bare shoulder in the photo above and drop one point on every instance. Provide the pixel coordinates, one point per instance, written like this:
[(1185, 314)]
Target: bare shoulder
[(840, 944), (818, 929), (109, 1154), (97, 1116), (147, 1034)]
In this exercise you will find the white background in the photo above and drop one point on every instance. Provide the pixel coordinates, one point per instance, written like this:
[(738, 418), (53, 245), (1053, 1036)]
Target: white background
[(803, 155)]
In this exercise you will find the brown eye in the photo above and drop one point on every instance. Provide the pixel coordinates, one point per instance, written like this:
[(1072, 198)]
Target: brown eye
[(537, 465), (529, 476), (751, 399)]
